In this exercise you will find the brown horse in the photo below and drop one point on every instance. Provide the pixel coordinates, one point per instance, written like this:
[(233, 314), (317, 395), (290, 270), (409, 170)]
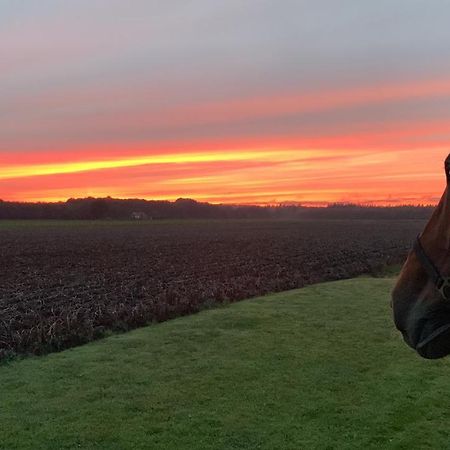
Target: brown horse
[(421, 297)]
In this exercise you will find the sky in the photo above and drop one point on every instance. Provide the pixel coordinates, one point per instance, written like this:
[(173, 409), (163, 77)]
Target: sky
[(236, 101)]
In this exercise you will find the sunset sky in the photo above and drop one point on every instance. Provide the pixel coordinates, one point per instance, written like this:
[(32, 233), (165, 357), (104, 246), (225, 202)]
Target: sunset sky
[(233, 101)]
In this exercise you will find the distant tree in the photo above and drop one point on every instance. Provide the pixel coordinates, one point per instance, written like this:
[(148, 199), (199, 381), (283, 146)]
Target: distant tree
[(98, 209), (102, 208)]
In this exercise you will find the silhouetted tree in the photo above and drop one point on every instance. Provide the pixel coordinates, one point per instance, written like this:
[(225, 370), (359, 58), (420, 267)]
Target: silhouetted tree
[(102, 208)]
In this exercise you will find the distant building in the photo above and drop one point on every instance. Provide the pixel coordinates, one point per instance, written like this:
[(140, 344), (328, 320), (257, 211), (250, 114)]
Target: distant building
[(139, 215)]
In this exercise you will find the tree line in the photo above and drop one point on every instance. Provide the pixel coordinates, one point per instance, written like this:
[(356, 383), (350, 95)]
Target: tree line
[(122, 209)]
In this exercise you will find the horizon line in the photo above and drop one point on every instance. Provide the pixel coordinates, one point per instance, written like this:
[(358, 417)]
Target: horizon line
[(260, 205)]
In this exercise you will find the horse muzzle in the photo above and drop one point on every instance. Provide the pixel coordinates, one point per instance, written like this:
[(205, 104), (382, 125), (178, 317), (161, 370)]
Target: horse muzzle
[(424, 322), (434, 340)]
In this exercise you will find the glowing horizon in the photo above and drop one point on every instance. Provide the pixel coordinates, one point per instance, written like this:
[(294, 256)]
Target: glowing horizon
[(245, 174)]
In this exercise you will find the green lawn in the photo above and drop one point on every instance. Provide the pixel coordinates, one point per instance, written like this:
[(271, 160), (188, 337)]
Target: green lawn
[(316, 368)]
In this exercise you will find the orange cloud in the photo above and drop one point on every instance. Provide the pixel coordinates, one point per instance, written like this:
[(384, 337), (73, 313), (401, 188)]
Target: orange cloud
[(251, 177), (378, 161), (34, 170)]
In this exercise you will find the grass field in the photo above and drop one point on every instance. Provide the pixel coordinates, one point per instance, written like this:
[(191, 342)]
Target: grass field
[(316, 368)]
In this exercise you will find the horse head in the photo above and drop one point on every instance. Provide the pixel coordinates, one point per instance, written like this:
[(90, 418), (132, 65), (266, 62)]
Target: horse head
[(421, 296)]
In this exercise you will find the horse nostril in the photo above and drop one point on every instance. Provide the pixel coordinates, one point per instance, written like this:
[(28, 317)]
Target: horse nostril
[(446, 291)]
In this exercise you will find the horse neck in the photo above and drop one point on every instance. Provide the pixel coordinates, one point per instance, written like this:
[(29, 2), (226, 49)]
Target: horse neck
[(436, 234)]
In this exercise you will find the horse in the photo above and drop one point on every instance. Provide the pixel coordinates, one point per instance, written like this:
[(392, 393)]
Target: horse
[(421, 296)]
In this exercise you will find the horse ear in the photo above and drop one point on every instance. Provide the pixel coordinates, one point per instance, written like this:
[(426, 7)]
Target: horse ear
[(447, 168)]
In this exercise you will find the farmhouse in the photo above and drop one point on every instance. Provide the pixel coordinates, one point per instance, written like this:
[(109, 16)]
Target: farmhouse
[(139, 215)]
